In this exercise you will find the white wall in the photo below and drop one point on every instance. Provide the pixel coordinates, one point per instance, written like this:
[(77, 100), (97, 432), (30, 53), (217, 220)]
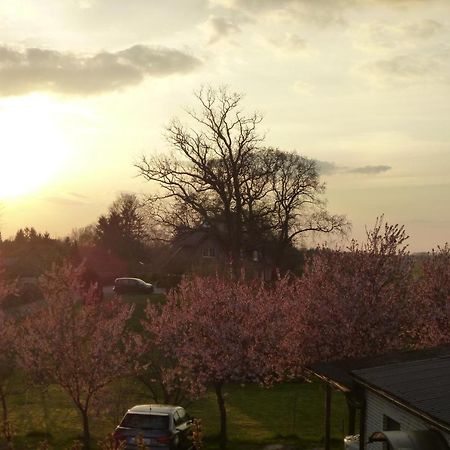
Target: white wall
[(378, 406)]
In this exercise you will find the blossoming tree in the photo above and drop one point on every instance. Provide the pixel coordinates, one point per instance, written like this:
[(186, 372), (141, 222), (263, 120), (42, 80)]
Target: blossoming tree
[(432, 290), (220, 331), (75, 340), (7, 359), (357, 302)]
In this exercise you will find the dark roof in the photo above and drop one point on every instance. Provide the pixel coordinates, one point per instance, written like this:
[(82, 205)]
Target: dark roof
[(338, 372), (423, 385)]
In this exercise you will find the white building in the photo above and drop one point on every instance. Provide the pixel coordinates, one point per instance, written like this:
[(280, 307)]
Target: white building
[(403, 399)]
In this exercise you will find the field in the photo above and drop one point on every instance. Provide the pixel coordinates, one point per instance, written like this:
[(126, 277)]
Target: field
[(288, 413)]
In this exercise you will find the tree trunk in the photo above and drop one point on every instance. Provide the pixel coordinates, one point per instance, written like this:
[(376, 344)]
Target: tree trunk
[(6, 428), (223, 416), (86, 432)]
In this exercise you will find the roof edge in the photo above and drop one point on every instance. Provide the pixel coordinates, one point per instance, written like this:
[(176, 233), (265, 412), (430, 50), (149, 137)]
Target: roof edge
[(444, 426)]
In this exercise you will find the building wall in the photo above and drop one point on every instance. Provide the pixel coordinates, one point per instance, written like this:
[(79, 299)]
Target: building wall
[(378, 406)]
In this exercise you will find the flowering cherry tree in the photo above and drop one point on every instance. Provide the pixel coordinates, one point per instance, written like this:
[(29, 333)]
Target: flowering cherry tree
[(219, 330), (7, 358), (76, 340), (432, 290), (357, 302)]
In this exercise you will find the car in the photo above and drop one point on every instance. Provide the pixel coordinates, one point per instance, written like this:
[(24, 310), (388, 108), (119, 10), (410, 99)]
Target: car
[(162, 427), (127, 285)]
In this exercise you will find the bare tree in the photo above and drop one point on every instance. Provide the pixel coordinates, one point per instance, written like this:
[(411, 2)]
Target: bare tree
[(219, 174)]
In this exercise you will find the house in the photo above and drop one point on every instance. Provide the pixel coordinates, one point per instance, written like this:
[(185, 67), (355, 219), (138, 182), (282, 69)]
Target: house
[(402, 399), (200, 251)]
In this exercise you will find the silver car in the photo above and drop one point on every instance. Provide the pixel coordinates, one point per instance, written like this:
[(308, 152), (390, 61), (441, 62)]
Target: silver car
[(128, 285), (164, 427)]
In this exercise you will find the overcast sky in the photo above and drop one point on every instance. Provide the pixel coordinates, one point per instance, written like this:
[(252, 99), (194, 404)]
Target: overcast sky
[(362, 86)]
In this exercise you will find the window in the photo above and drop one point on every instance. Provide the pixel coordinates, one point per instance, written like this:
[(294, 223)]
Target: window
[(146, 421), (179, 417), (390, 424), (209, 252)]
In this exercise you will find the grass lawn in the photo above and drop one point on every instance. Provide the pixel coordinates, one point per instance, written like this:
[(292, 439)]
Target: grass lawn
[(290, 413)]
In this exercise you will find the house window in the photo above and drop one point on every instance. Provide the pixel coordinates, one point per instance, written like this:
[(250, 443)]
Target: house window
[(390, 424), (209, 252)]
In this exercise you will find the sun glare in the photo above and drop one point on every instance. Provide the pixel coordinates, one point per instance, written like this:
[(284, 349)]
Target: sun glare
[(32, 145)]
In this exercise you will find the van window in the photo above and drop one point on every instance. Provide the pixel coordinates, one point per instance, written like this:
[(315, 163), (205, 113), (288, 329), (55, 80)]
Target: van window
[(146, 421)]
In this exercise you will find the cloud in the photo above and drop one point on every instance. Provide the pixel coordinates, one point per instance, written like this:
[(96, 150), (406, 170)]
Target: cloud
[(407, 68), (317, 11), (291, 42), (220, 28), (70, 199), (382, 36), (424, 29), (370, 170), (326, 167), (320, 12), (36, 69), (330, 168), (79, 196), (303, 87)]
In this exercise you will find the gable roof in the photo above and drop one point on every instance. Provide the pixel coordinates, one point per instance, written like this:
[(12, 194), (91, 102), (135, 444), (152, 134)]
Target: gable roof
[(339, 373), (421, 385)]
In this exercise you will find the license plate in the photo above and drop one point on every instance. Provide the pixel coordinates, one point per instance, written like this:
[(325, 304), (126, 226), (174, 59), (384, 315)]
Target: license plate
[(145, 441)]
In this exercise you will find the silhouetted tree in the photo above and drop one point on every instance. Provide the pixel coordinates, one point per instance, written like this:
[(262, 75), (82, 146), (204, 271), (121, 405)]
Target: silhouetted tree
[(84, 235), (33, 252), (219, 174), (123, 228)]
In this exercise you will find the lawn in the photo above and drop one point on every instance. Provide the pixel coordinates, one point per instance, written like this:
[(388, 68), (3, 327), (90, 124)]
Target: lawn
[(290, 413)]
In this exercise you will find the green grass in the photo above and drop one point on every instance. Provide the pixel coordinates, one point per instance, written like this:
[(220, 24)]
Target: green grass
[(140, 303), (288, 413)]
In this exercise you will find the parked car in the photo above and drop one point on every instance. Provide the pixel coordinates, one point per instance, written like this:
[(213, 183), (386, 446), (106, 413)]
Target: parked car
[(162, 427), (132, 286)]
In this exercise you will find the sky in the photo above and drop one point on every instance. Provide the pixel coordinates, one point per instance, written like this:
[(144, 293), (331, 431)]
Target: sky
[(362, 86)]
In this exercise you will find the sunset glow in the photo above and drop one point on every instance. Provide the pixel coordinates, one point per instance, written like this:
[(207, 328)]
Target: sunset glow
[(89, 86), (33, 146)]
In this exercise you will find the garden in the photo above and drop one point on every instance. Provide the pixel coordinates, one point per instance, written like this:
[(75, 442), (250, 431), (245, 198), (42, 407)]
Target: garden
[(232, 350)]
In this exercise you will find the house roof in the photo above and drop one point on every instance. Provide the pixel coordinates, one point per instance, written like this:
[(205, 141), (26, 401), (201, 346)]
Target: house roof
[(418, 380), (338, 373), (422, 385)]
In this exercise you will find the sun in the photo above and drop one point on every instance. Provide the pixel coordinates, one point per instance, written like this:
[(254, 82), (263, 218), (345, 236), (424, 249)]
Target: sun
[(32, 145)]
